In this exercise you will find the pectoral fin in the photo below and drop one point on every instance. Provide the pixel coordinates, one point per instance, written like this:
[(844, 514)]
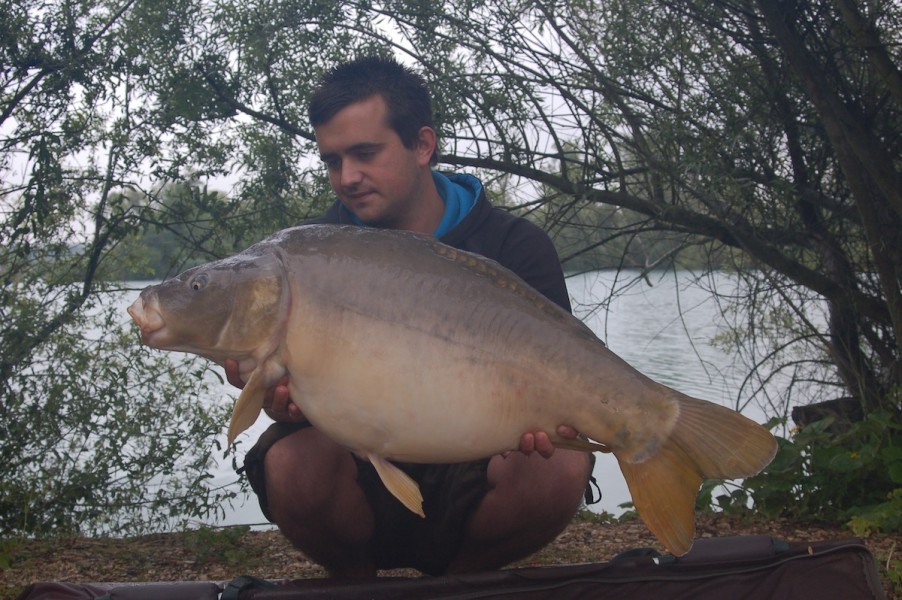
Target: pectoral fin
[(399, 484), (250, 402), (581, 445)]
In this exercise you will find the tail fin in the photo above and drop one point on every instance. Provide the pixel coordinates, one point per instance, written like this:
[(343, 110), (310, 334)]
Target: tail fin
[(707, 442)]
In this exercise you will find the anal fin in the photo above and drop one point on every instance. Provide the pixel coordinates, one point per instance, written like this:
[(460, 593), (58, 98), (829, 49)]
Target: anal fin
[(399, 484)]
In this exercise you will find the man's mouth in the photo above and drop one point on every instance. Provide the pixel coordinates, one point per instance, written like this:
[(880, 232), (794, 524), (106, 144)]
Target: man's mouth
[(359, 196)]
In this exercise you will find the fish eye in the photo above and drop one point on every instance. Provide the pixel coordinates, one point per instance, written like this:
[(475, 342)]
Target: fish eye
[(198, 282)]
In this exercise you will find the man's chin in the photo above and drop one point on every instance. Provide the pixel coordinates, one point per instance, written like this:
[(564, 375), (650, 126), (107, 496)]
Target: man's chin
[(369, 216)]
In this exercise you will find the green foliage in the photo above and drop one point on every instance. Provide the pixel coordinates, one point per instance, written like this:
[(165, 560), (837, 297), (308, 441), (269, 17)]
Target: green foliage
[(696, 136), (9, 548), (849, 476), (188, 225), (104, 150), (894, 573), (590, 236), (218, 545), (181, 227), (733, 498), (101, 435), (585, 515), (885, 516)]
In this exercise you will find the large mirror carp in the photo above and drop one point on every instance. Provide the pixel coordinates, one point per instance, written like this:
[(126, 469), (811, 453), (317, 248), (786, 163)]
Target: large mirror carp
[(401, 348)]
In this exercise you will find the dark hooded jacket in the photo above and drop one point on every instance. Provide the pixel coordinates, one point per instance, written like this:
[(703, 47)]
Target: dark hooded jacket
[(514, 242)]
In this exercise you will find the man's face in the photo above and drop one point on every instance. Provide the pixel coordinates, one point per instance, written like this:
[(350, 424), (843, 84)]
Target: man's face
[(372, 172)]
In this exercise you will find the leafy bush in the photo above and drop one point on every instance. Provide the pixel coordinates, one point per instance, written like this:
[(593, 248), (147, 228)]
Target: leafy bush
[(218, 545), (100, 434), (851, 476)]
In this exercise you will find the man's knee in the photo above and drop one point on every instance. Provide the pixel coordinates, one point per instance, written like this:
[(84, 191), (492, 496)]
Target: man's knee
[(577, 469), (304, 472), (566, 468), (551, 488), (570, 477)]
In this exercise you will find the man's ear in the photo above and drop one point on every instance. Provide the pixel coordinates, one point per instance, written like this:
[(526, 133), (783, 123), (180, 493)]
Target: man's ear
[(426, 141)]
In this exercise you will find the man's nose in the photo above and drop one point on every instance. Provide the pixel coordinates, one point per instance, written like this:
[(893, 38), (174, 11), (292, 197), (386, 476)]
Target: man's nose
[(351, 173)]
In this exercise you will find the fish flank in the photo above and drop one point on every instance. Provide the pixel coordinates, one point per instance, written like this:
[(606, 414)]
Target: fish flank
[(501, 277)]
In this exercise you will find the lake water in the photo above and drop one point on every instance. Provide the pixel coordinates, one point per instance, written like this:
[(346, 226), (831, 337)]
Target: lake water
[(663, 329)]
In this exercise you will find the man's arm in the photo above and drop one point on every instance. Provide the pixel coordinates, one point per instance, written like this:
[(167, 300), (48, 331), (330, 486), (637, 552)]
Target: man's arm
[(530, 253)]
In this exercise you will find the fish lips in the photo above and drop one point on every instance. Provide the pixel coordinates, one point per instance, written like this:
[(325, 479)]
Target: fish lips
[(148, 318)]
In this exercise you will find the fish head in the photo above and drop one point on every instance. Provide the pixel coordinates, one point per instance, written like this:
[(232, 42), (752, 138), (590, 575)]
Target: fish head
[(232, 308)]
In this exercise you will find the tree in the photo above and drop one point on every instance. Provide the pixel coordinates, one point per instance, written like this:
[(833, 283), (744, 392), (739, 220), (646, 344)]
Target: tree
[(766, 133), (96, 434), (768, 127), (762, 133)]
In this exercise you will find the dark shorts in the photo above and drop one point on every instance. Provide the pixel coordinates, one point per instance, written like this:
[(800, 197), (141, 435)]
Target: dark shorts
[(401, 538)]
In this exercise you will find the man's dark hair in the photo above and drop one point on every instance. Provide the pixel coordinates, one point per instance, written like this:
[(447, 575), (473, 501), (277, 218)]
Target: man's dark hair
[(404, 91)]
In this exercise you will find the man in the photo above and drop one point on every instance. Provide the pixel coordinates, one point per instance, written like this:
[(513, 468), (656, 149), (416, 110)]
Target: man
[(375, 134)]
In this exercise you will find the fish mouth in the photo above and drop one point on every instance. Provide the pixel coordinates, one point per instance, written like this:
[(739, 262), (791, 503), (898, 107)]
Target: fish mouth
[(146, 313)]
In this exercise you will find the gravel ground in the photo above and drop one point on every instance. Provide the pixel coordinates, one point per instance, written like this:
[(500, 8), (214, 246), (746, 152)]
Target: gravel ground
[(222, 554)]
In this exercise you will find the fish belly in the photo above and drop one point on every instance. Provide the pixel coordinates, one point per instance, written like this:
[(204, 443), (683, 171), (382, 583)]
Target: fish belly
[(416, 397)]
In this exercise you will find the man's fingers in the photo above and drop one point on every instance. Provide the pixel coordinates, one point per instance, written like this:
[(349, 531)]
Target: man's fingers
[(279, 405), (566, 431), (277, 400), (280, 399), (232, 374), (543, 444), (540, 441)]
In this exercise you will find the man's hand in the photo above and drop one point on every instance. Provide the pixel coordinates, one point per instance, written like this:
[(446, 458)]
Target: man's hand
[(538, 441), (276, 403)]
